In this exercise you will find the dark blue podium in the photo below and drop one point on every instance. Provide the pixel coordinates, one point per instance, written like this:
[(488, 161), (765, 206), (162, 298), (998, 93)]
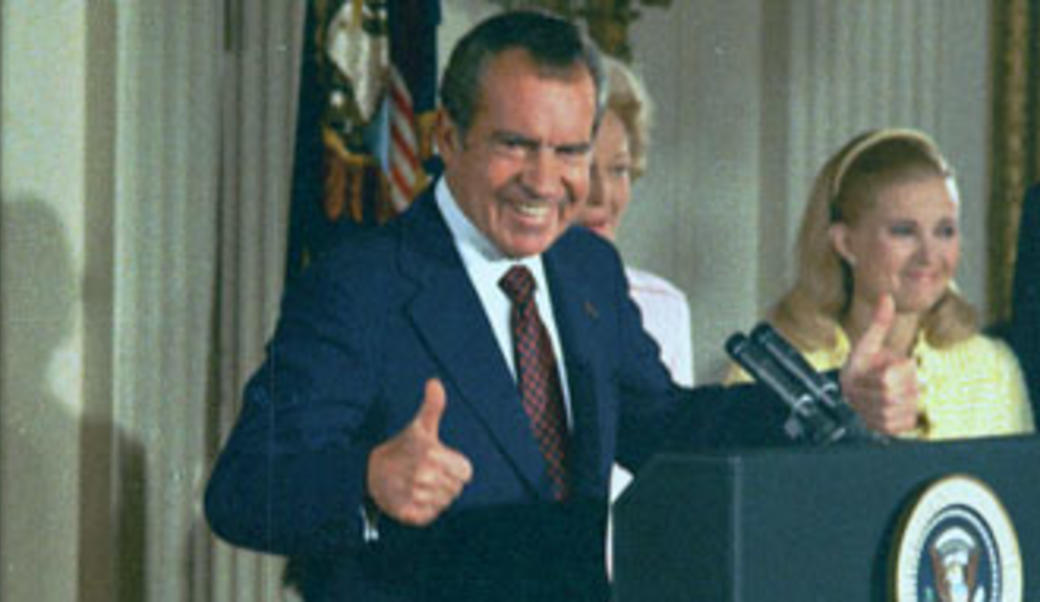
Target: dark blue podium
[(803, 524)]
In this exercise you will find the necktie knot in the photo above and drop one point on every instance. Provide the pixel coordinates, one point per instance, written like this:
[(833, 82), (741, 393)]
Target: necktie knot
[(518, 284)]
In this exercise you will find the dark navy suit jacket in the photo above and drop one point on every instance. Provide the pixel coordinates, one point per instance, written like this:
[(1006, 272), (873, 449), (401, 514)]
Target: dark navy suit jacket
[(358, 336), (1025, 326)]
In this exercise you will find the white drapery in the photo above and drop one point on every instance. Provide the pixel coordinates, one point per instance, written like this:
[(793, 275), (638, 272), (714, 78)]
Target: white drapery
[(206, 117)]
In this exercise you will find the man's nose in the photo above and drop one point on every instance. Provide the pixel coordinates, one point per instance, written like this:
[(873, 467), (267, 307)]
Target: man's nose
[(542, 174)]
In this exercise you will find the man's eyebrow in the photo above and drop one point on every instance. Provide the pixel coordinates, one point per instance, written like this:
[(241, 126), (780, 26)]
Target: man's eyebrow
[(515, 138), (520, 139)]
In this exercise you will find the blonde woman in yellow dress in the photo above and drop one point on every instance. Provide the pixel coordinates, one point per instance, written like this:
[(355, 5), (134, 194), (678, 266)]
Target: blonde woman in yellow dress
[(882, 227)]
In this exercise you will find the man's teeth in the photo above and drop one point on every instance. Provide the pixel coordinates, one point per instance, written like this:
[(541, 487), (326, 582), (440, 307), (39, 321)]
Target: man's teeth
[(533, 209)]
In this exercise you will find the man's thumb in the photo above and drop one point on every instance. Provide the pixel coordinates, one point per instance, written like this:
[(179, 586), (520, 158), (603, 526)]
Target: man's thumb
[(873, 339), (434, 402)]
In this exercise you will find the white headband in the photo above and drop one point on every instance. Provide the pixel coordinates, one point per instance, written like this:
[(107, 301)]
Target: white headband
[(877, 136)]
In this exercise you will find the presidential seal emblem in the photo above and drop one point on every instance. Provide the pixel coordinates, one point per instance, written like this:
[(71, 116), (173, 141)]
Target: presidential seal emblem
[(957, 544)]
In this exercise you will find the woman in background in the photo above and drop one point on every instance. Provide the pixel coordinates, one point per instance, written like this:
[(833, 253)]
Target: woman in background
[(882, 226), (619, 158)]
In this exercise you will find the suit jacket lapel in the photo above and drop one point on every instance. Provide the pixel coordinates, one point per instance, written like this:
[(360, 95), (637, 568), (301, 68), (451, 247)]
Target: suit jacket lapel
[(448, 314), (577, 316)]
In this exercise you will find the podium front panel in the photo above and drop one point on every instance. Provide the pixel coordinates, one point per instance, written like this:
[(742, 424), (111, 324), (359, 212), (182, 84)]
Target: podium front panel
[(801, 523)]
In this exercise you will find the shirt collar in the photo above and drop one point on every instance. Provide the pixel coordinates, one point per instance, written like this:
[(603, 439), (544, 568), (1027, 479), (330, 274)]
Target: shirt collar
[(476, 249)]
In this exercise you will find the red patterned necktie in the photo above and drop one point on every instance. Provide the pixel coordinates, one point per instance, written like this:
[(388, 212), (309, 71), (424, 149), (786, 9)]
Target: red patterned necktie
[(537, 377)]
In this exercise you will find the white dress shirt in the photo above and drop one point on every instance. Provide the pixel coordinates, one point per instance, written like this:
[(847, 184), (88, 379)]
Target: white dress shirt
[(666, 317), (486, 264)]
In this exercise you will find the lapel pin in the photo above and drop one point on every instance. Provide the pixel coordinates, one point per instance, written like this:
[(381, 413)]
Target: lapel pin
[(591, 310)]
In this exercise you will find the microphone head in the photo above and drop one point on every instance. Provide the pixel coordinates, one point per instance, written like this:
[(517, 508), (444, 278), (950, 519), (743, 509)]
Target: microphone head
[(734, 344), (818, 412)]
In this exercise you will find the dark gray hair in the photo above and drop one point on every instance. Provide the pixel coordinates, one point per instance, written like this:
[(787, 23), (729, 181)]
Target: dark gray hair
[(554, 44)]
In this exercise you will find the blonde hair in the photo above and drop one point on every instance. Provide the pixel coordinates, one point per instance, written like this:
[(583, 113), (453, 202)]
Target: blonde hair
[(847, 186), (628, 99)]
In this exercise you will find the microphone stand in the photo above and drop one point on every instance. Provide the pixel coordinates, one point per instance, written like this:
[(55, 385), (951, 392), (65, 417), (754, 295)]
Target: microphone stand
[(818, 411)]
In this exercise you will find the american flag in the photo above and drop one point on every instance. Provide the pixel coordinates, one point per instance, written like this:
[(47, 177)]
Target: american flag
[(404, 170), (367, 95), (411, 95)]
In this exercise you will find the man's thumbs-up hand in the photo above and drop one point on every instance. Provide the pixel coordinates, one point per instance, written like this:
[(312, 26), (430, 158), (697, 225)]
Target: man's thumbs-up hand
[(413, 477), (880, 385)]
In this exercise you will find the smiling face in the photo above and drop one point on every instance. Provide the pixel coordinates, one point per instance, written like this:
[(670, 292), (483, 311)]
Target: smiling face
[(907, 244), (611, 184), (522, 169)]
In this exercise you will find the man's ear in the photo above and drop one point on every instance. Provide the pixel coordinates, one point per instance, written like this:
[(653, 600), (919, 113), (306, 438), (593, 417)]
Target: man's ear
[(839, 235), (447, 137)]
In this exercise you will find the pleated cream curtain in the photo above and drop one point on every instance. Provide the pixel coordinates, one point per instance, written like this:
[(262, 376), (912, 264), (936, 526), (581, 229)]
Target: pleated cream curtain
[(206, 110), (260, 90)]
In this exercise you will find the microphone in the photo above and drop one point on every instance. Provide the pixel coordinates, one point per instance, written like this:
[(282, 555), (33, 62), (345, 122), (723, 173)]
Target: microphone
[(823, 388), (808, 419), (815, 399), (794, 364)]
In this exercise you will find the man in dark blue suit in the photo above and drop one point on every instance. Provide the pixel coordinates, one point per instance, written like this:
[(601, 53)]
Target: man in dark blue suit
[(391, 444), (1025, 320)]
